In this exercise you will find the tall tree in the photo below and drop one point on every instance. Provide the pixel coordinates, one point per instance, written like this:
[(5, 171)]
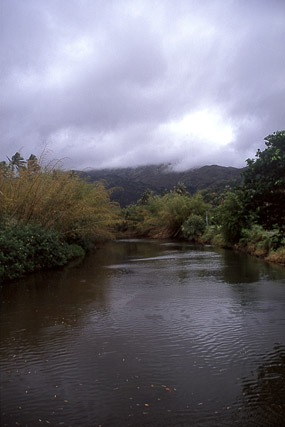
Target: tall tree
[(264, 182)]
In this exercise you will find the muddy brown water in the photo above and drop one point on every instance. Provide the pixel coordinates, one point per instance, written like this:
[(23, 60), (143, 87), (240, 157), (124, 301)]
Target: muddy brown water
[(146, 333)]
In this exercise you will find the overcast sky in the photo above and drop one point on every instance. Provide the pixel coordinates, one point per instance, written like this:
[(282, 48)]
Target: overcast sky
[(105, 83)]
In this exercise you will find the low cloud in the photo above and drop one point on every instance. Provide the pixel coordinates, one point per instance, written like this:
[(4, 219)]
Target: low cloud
[(126, 83)]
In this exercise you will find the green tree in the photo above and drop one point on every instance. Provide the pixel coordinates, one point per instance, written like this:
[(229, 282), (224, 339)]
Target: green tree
[(193, 227), (232, 217), (147, 195), (181, 189), (264, 182)]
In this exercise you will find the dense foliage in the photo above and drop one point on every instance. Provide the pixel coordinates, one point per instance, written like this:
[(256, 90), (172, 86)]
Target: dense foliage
[(27, 248), (250, 216), (264, 183), (44, 211), (260, 200), (163, 216), (57, 202), (57, 199), (193, 227)]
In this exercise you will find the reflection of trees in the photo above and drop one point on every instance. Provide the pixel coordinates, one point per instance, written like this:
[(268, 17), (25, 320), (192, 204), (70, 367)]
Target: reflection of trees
[(266, 391), (243, 268), (55, 297), (64, 296), (240, 268), (125, 250)]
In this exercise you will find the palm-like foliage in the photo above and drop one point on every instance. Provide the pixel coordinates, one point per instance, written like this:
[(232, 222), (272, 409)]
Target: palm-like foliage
[(17, 161)]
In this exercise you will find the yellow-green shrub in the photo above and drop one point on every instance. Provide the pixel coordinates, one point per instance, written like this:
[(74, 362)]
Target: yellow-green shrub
[(59, 200), (163, 216), (258, 241), (277, 256)]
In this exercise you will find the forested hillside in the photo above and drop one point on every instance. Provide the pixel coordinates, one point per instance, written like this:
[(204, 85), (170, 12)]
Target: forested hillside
[(133, 182)]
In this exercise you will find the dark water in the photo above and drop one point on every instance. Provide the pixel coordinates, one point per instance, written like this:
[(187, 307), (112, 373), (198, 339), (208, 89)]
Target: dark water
[(146, 333)]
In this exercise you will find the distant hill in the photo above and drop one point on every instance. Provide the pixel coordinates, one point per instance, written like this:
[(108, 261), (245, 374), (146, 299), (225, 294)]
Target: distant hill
[(134, 181)]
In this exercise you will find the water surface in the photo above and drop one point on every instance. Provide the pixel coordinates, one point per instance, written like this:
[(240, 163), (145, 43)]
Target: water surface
[(146, 333)]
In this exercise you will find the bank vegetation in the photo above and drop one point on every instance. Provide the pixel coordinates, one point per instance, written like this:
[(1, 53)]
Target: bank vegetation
[(249, 217), (49, 216)]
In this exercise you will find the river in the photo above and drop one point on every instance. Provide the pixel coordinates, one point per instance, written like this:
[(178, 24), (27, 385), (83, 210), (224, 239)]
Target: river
[(146, 333)]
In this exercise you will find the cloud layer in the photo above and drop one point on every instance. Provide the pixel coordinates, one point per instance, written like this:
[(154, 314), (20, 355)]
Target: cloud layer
[(121, 83)]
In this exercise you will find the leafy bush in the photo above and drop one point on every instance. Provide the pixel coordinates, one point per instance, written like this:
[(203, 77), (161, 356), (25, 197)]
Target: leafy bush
[(259, 241), (27, 248), (277, 256), (163, 216), (219, 240), (209, 234), (231, 217), (75, 251), (193, 227)]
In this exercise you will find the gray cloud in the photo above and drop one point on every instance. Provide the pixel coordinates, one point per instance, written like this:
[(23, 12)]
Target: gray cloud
[(123, 83)]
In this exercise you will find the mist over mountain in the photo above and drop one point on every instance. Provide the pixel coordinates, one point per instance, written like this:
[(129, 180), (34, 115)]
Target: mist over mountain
[(133, 182)]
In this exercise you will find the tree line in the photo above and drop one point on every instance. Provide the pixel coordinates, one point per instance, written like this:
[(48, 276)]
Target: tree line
[(49, 216), (250, 216)]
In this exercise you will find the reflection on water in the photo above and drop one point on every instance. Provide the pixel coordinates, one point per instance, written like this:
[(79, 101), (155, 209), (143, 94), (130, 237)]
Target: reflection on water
[(241, 268), (53, 298), (146, 333)]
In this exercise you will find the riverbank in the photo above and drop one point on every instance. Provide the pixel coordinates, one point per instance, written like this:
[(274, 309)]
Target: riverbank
[(28, 248), (49, 216), (256, 242), (257, 247), (273, 256)]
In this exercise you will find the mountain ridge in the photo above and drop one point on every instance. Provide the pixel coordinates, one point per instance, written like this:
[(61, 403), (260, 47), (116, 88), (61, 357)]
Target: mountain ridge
[(131, 183)]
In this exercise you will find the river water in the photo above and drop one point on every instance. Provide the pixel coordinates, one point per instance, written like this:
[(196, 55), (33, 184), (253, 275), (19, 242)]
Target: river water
[(146, 333)]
